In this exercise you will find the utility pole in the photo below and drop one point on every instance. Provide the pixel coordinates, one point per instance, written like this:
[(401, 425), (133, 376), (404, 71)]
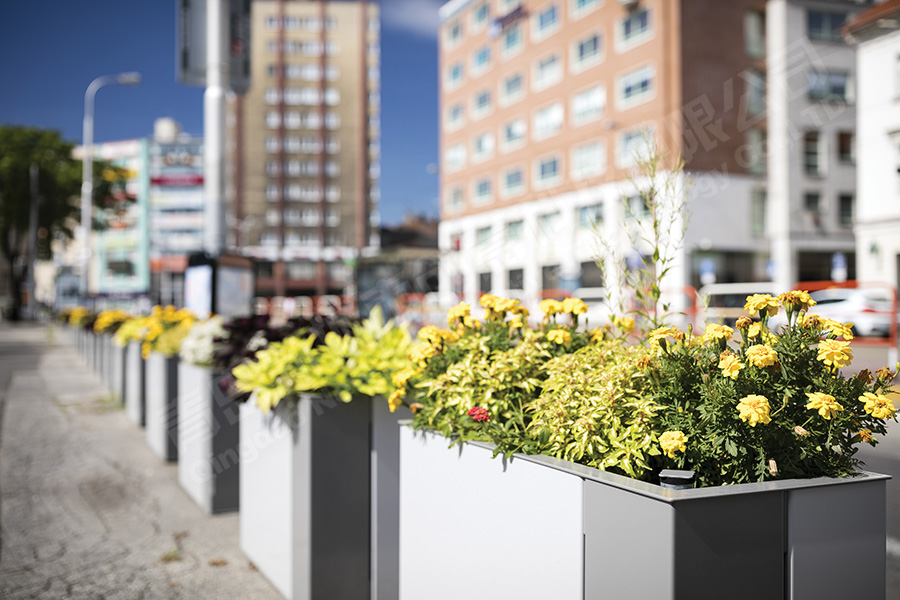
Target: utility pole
[(32, 239)]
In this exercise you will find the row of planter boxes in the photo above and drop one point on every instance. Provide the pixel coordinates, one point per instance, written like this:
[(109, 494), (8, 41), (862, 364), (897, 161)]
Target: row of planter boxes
[(338, 500)]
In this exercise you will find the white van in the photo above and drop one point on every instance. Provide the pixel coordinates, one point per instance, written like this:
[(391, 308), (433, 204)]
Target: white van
[(724, 302)]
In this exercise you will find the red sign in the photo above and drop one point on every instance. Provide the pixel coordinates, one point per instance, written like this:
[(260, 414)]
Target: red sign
[(178, 180)]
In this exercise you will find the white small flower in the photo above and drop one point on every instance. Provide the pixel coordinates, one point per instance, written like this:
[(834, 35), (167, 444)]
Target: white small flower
[(198, 347)]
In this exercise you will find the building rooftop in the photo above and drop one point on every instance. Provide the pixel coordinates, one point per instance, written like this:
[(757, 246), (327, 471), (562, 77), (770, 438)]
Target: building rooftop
[(874, 21)]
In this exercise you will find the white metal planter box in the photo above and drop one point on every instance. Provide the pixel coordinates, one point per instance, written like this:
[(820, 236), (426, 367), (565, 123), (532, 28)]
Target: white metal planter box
[(117, 370), (319, 497), (537, 527), (161, 405), (135, 397), (208, 460)]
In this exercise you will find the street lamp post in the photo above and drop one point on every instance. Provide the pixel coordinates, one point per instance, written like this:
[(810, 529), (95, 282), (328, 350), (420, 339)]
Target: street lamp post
[(87, 173)]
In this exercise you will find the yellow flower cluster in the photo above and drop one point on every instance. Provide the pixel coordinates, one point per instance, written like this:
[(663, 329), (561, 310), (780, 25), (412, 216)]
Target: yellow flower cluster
[(761, 356), (626, 324), (161, 320), (878, 406), (77, 315), (496, 308), (730, 365), (714, 331), (461, 316), (754, 409), (559, 336), (825, 404), (574, 306), (661, 333), (796, 300), (110, 318), (834, 353), (672, 442), (437, 337), (762, 304)]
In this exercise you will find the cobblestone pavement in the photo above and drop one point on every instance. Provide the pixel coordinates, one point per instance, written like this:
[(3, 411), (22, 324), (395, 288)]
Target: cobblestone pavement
[(86, 509)]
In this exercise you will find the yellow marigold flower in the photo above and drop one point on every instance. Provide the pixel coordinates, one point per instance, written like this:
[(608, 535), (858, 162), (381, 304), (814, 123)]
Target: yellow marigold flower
[(743, 323), (575, 306), (878, 406), (834, 353), (560, 336), (661, 333), (626, 324), (458, 313), (755, 330), (796, 300), (838, 329), (672, 442), (865, 435), (551, 306), (396, 399), (825, 404), (471, 322), (488, 300), (505, 305), (430, 333), (448, 336), (598, 334), (516, 322), (761, 356), (754, 409), (421, 353), (402, 376), (730, 366), (759, 303), (714, 331)]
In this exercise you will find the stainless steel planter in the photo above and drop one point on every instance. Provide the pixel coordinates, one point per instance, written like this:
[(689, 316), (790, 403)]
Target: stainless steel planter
[(208, 459), (537, 527)]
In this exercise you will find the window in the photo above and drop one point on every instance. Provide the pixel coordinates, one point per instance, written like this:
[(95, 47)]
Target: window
[(588, 105), (634, 145), (586, 51), (272, 168), (590, 217), (272, 119), (755, 156), (550, 277), (812, 153), (635, 27), (548, 171), (481, 60), (546, 21), (845, 210), (480, 16), (846, 148), (271, 216), (482, 103), (514, 133), (454, 33), (455, 157), (271, 192), (825, 26), (828, 86), (272, 143), (272, 95), (483, 146), (515, 279), (756, 92), (547, 71), (455, 74), (511, 40), (455, 116), (582, 7), (758, 212), (482, 193), (548, 224), (482, 235), (484, 282), (455, 199), (588, 160), (292, 119), (456, 245), (755, 34), (548, 121), (513, 181), (811, 202), (512, 88), (637, 206), (636, 87), (514, 230)]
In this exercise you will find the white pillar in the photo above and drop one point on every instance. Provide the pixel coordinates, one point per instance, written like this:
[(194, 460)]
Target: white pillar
[(214, 126)]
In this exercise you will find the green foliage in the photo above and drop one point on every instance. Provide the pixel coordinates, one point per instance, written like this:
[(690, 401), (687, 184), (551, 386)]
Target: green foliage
[(362, 362)]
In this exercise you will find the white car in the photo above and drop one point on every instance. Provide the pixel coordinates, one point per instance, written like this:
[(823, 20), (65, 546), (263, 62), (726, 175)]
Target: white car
[(869, 310)]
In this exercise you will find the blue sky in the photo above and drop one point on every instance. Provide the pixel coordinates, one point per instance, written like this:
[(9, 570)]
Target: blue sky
[(50, 50)]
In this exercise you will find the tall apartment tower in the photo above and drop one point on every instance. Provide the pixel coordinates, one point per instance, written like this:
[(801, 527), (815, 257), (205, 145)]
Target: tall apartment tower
[(547, 104), (303, 145)]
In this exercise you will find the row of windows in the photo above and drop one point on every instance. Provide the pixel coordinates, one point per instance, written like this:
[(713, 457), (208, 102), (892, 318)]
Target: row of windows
[(583, 53), (291, 23), (305, 71), (302, 120), (303, 47), (308, 217), (816, 151), (303, 168), (308, 144), (308, 96), (630, 30), (812, 203), (301, 238), (512, 136), (304, 192), (632, 88)]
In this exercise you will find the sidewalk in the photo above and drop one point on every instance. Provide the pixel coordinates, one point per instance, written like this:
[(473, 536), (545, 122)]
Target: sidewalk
[(86, 509)]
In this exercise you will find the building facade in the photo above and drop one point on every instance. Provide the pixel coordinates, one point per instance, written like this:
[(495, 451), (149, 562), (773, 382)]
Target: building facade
[(303, 145), (547, 107), (877, 223)]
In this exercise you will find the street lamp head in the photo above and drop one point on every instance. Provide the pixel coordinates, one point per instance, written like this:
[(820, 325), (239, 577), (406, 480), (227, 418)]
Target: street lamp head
[(129, 78)]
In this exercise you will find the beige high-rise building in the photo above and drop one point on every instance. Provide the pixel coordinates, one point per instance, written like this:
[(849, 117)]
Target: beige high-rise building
[(303, 145), (545, 105)]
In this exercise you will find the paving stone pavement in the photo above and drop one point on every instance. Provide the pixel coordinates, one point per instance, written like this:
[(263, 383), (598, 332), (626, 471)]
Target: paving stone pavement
[(86, 509)]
